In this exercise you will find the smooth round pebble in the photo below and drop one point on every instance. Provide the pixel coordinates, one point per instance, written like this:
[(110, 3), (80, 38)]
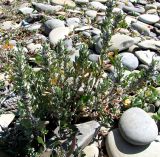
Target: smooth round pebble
[(137, 127)]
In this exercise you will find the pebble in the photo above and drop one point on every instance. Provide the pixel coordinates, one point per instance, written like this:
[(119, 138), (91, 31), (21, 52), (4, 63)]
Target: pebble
[(137, 127), (49, 25), (91, 13), (81, 1), (34, 47), (73, 21), (70, 3), (46, 7), (58, 34), (148, 18), (141, 28), (134, 10), (118, 147), (129, 60), (149, 44), (97, 6)]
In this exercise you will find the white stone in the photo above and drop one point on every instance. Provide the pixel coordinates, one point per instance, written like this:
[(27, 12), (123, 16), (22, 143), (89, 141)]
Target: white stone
[(97, 6), (6, 119), (58, 34)]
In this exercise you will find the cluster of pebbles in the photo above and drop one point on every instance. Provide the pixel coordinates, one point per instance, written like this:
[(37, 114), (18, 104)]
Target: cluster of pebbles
[(138, 45)]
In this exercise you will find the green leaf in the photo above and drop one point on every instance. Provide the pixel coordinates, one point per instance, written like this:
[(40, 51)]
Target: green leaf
[(40, 140)]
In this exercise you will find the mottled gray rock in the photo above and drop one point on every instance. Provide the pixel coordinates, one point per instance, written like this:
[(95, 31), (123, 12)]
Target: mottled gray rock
[(34, 27), (150, 44), (47, 7), (137, 127), (58, 34), (149, 18), (117, 147), (49, 25), (129, 60), (150, 6)]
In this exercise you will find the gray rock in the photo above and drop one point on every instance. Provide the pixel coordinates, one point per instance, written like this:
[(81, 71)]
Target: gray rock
[(140, 10), (150, 6), (26, 10), (149, 18), (34, 27), (94, 57), (121, 42), (58, 34), (141, 28), (91, 13), (73, 21), (49, 25), (150, 44), (46, 7), (34, 47), (7, 25), (70, 3), (146, 57), (137, 127), (157, 25), (97, 6), (129, 60), (87, 131), (117, 147)]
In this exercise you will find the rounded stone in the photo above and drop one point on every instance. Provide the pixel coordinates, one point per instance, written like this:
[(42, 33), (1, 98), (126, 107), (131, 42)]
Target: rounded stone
[(148, 18), (137, 127), (129, 60)]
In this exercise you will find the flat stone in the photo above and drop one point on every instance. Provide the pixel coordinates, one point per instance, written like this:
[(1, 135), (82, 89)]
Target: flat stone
[(117, 147), (150, 44), (47, 7), (58, 34), (137, 127), (87, 131), (26, 10), (70, 3), (6, 25), (6, 119), (128, 9), (34, 26), (148, 18), (121, 42), (146, 57), (91, 151), (49, 25), (129, 60)]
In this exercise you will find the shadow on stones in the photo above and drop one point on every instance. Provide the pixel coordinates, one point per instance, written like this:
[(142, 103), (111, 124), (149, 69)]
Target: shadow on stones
[(125, 147)]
